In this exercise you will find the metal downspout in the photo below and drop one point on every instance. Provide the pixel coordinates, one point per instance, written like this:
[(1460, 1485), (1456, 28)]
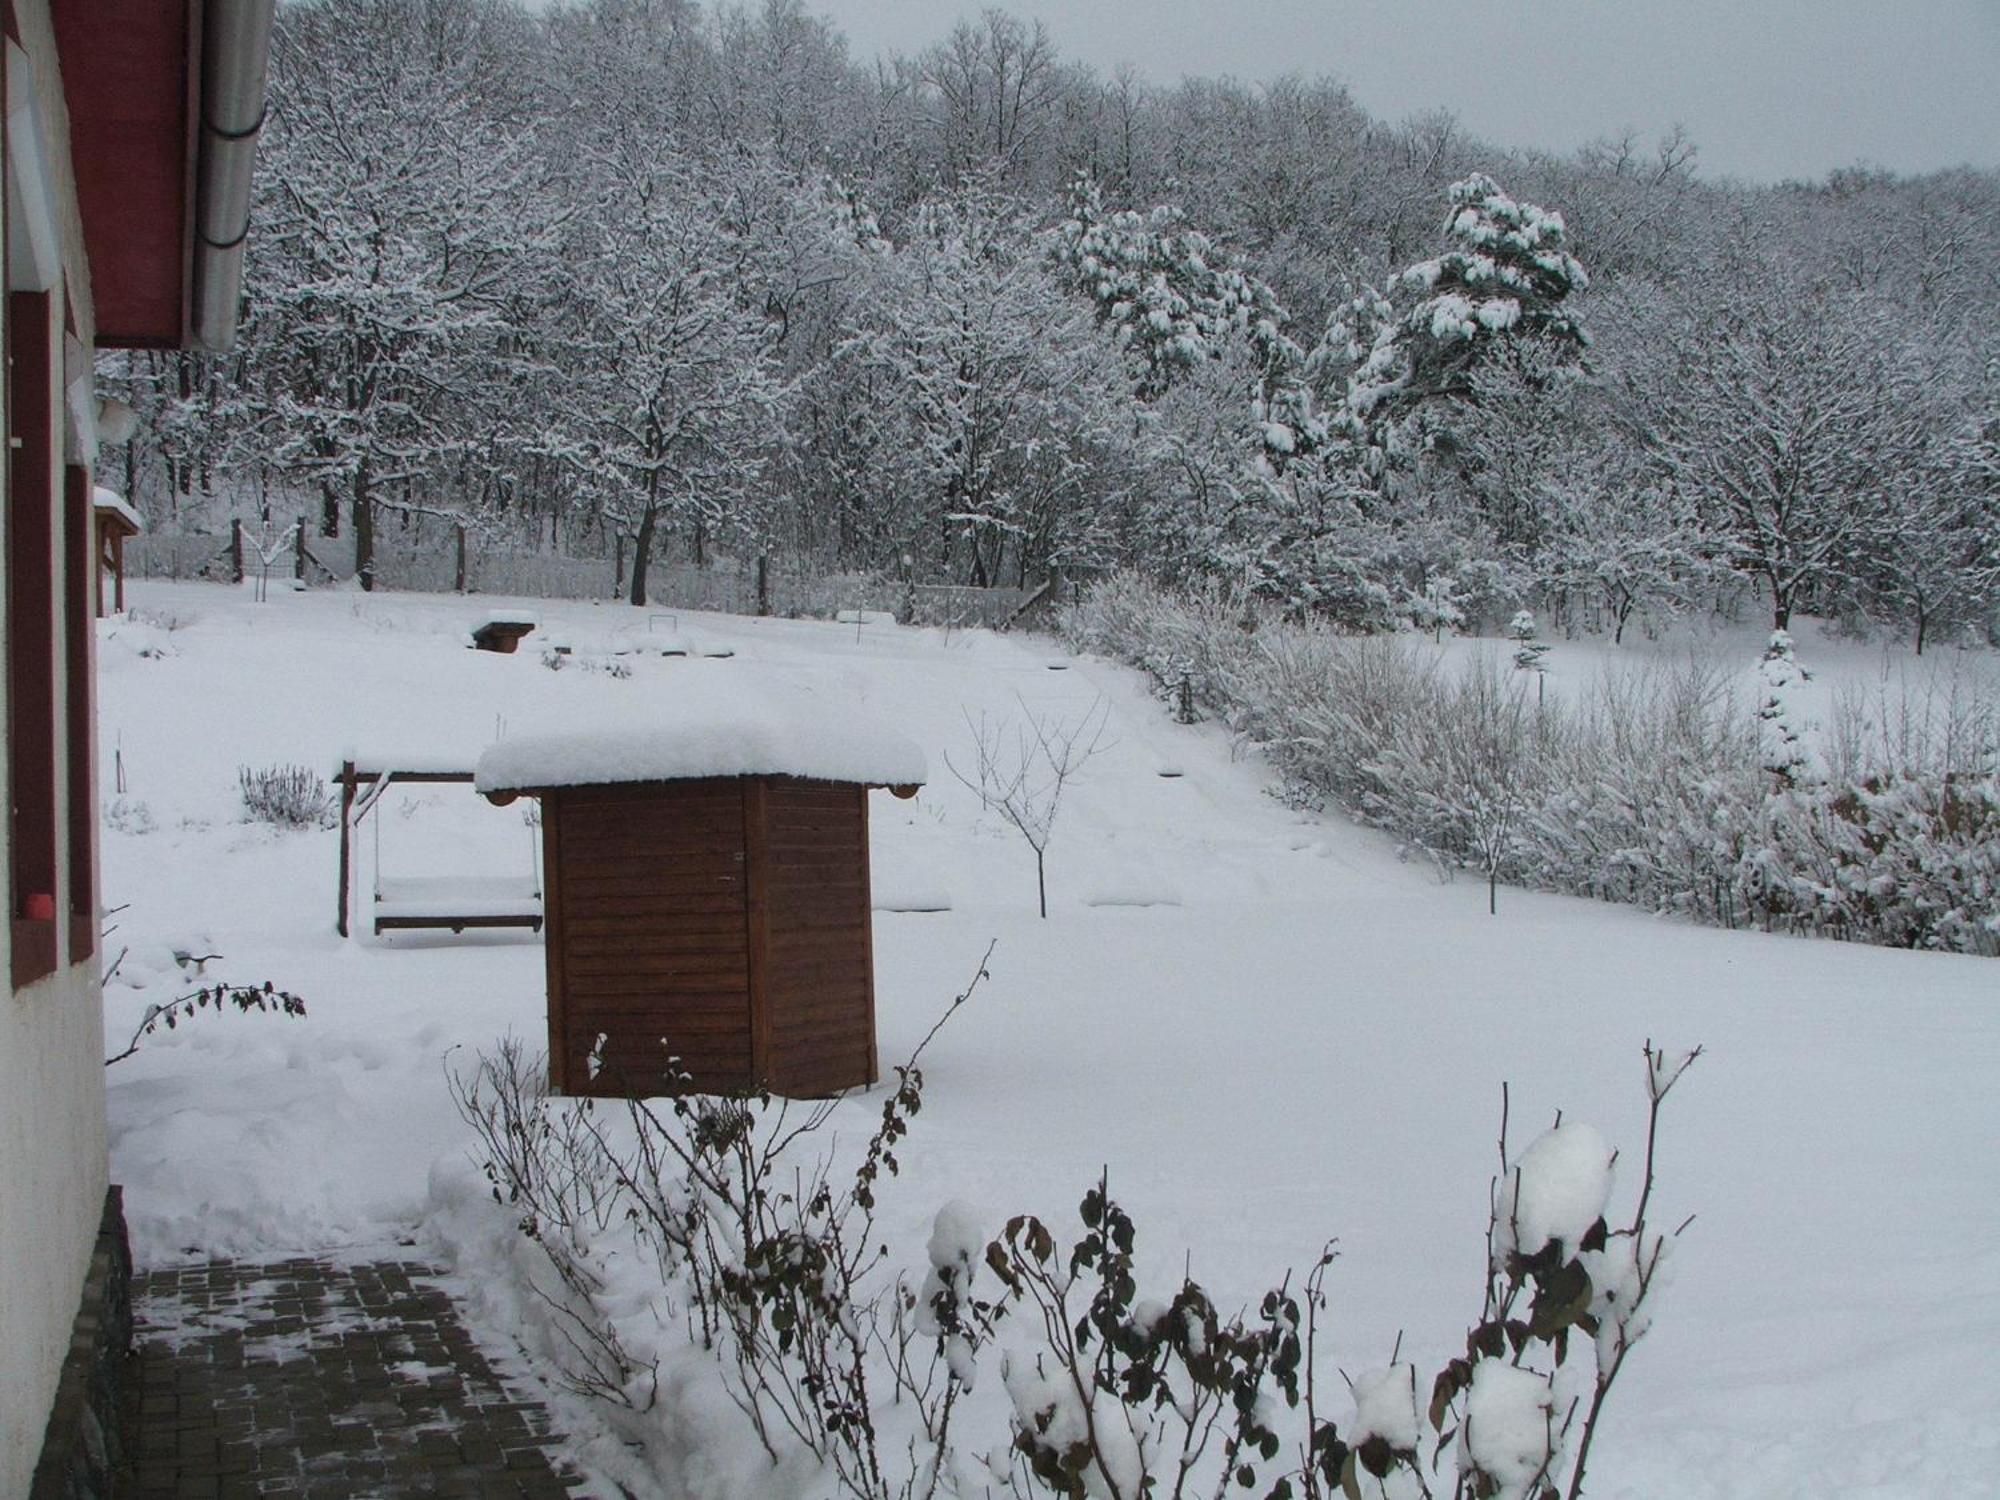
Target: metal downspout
[(236, 51)]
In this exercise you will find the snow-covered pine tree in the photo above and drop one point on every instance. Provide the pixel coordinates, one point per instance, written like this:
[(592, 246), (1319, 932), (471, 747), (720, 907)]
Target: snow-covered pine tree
[(1787, 757), (1174, 299), (1506, 275)]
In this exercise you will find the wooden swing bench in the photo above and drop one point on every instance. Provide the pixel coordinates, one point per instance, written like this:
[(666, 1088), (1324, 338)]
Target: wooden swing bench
[(457, 902), (406, 903)]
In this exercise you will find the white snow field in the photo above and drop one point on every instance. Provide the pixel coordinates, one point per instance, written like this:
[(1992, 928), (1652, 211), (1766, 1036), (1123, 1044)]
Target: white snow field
[(1270, 1029)]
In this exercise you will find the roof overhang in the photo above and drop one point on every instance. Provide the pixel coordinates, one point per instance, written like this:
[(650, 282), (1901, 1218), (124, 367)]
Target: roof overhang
[(165, 100)]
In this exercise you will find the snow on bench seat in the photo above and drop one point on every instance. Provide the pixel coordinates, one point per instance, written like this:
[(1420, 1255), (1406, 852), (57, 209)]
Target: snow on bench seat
[(458, 902)]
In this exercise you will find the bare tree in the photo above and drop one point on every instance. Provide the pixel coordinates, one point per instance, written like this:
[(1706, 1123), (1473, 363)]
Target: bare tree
[(1020, 770)]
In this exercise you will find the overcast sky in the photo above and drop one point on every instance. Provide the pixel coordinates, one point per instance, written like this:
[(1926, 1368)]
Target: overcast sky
[(1767, 88)]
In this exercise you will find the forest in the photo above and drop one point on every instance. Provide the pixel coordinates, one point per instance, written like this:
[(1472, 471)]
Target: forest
[(654, 281)]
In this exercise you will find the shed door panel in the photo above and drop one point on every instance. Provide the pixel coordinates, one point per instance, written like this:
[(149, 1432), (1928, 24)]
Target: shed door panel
[(822, 1009), (654, 941)]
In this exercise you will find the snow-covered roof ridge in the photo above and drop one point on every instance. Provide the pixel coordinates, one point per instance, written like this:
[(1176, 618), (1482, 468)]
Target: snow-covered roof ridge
[(764, 734), (118, 505)]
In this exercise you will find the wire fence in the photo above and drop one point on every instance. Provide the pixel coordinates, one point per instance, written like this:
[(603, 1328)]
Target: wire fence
[(469, 565)]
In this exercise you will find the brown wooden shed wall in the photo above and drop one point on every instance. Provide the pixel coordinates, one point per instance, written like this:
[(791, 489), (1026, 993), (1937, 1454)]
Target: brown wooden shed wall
[(820, 969), (647, 935), (728, 916)]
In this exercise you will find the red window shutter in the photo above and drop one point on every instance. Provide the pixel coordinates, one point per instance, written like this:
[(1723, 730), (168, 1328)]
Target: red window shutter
[(31, 634), (80, 745)]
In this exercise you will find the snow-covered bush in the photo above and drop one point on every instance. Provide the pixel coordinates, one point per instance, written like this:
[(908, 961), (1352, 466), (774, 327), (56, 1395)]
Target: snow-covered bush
[(286, 796), (773, 1260), (549, 1166), (1528, 651), (861, 1374), (1659, 786), (128, 815)]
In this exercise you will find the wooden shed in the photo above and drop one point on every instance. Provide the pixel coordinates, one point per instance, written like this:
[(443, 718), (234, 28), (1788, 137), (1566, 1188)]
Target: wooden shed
[(116, 522), (707, 903)]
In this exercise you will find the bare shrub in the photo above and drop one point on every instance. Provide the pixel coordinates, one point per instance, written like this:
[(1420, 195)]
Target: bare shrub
[(1021, 770), (777, 1266), (216, 998), (286, 796), (545, 1161)]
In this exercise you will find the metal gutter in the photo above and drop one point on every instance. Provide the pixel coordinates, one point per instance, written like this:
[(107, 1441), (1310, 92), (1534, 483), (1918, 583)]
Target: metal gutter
[(236, 52)]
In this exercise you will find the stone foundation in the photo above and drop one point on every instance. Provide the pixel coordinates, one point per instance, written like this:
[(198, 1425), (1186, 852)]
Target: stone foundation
[(84, 1443)]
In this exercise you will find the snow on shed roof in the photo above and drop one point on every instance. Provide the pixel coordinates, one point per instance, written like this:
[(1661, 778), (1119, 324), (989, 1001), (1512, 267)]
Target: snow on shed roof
[(742, 734), (103, 500)]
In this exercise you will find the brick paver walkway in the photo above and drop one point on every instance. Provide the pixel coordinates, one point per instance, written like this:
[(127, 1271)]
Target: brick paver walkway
[(309, 1379)]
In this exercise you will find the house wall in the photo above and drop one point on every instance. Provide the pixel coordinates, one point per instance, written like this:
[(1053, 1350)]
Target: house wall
[(52, 1131), (52, 1181)]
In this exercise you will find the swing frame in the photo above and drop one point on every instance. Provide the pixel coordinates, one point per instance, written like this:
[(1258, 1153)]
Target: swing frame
[(362, 787)]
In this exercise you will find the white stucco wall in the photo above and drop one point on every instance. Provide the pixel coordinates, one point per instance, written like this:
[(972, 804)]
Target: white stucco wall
[(52, 1135), (52, 1181)]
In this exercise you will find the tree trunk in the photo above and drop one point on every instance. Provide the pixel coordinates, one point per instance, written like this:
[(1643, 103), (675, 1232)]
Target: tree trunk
[(364, 529), (642, 554), (329, 511), (978, 578)]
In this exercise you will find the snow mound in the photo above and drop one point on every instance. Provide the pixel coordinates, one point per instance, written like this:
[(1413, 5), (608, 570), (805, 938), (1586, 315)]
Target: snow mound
[(894, 895), (1132, 888)]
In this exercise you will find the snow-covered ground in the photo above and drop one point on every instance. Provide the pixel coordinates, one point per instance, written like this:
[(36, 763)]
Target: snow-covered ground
[(1269, 1028)]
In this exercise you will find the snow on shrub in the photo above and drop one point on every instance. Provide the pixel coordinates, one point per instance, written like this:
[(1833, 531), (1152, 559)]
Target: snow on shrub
[(1509, 1441), (1557, 1192)]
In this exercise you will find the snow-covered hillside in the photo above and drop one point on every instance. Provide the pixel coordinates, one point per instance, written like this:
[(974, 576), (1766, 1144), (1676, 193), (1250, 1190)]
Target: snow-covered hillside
[(1267, 1027)]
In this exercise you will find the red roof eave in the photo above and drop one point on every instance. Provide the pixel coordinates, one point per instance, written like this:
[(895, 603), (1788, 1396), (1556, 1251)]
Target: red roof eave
[(129, 69)]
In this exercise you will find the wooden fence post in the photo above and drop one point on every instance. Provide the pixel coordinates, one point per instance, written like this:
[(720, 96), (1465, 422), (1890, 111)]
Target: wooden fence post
[(347, 780)]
